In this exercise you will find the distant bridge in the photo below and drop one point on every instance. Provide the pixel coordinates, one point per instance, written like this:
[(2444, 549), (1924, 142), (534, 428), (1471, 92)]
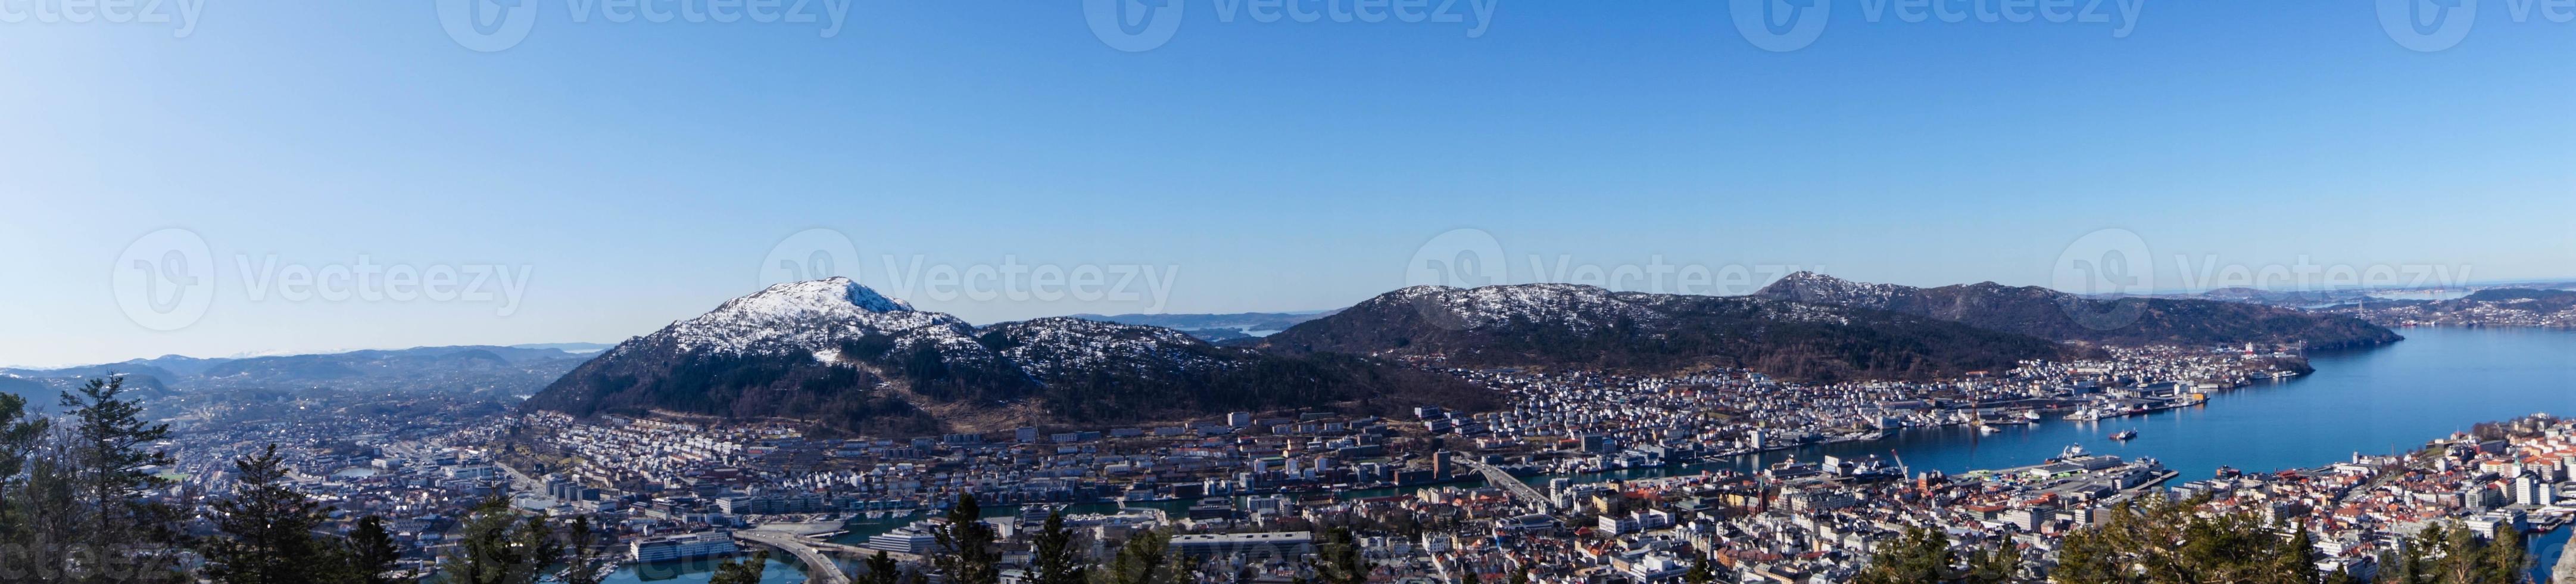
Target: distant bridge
[(1519, 490), (820, 568)]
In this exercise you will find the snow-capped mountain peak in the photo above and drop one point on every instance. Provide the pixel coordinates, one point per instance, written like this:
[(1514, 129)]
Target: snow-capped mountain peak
[(809, 297), (810, 315)]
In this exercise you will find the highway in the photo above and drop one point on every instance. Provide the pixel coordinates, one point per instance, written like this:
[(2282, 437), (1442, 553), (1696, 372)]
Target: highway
[(819, 568)]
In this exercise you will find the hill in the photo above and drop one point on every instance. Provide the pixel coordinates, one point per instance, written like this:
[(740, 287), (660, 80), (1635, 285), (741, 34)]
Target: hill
[(1558, 325), (2059, 316)]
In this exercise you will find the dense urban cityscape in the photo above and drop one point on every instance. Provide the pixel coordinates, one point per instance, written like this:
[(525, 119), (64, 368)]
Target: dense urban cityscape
[(1434, 495)]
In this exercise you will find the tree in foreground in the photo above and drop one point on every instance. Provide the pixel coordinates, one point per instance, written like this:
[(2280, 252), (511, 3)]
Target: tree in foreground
[(372, 553), (267, 531), (1144, 559), (2451, 554), (745, 571), (2162, 541), (1338, 559), (1053, 559), (497, 548), (1920, 555), (882, 569), (966, 544), (585, 555)]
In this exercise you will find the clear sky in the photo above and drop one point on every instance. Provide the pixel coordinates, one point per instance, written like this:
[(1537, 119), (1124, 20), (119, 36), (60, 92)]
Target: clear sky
[(641, 172)]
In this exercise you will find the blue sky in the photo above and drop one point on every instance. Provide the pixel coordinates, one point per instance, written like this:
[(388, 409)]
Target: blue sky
[(642, 172)]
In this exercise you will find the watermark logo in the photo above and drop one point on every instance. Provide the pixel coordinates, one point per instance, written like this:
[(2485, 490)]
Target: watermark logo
[(2109, 262), (497, 25), (165, 280), (487, 25), (819, 253), (1144, 25), (168, 280), (2428, 25), (1472, 258), (1130, 25), (184, 13), (1781, 26), (812, 254), (1460, 258)]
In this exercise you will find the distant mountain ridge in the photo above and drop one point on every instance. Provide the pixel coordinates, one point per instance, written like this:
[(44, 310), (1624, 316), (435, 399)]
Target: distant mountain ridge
[(1217, 327), (474, 368), (1563, 325), (2061, 316), (838, 354)]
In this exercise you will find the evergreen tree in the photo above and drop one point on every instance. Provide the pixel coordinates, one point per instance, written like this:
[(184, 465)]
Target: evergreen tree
[(1144, 559), (882, 569), (125, 538), (1921, 555), (582, 563), (2289, 564), (1701, 572), (267, 530), (967, 552), (497, 548), (372, 553), (2505, 561), (746, 571), (20, 433), (1053, 558), (1997, 566), (1338, 558)]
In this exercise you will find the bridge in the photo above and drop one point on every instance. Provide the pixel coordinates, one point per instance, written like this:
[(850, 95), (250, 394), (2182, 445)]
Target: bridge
[(819, 568), (1519, 490)]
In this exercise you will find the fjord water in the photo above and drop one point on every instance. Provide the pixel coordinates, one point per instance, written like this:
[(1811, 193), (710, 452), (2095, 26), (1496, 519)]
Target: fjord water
[(2372, 401)]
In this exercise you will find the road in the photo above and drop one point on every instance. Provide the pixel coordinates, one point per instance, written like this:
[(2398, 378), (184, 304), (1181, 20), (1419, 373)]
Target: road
[(819, 568), (1496, 477)]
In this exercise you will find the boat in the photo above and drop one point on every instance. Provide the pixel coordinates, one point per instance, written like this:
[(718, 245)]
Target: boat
[(1988, 429), (2125, 435)]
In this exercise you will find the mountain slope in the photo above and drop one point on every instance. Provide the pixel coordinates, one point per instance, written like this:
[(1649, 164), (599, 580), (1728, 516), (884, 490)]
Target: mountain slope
[(835, 353), (1557, 325), (2060, 316)]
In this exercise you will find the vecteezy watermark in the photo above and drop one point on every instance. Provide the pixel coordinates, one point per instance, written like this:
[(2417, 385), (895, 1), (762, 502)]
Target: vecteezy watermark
[(181, 14), (819, 253), (1470, 258), (1473, 258), (1144, 25), (2437, 25), (2113, 263), (495, 25), (1789, 25), (167, 280)]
